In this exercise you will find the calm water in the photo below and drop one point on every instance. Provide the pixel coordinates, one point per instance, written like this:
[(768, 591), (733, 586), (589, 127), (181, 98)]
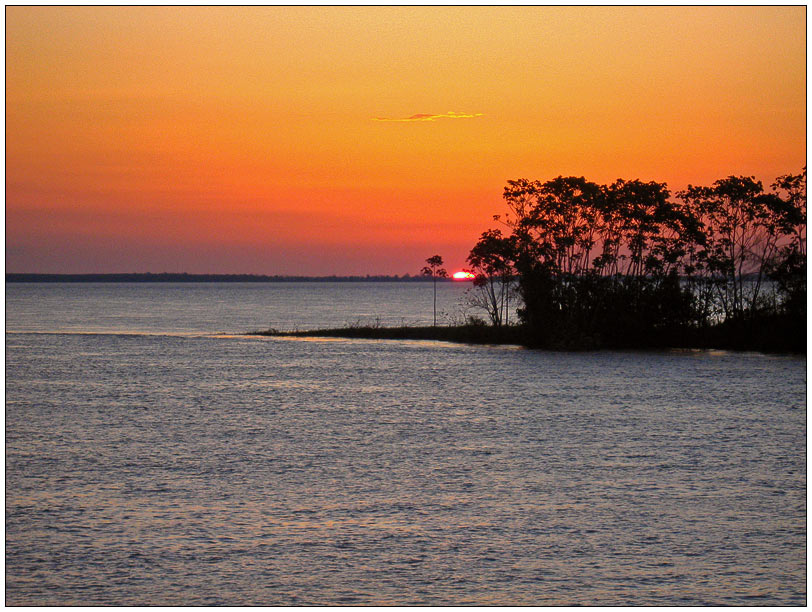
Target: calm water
[(151, 461)]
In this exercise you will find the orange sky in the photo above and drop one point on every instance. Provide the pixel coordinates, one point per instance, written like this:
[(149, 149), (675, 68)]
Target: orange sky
[(247, 140)]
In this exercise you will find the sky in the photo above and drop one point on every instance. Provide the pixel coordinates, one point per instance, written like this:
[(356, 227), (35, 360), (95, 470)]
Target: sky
[(362, 140)]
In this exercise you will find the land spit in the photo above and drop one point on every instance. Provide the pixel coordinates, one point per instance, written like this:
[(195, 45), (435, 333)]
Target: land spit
[(772, 337), (474, 334)]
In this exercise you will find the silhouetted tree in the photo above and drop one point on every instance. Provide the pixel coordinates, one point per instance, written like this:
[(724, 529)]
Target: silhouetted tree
[(625, 264), (586, 254), (491, 262), (434, 270), (554, 223), (743, 227), (789, 267)]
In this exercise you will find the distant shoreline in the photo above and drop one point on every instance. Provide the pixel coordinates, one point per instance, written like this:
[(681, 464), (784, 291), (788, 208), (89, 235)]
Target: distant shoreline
[(172, 277)]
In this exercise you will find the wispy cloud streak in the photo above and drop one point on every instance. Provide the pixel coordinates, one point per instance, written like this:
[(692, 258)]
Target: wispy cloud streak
[(430, 117)]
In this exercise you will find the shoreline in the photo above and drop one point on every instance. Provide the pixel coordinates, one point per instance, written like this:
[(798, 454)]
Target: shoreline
[(517, 335), (464, 334)]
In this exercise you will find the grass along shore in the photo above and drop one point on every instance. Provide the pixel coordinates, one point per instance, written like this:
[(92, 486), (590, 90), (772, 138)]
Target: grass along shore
[(767, 335), (473, 334)]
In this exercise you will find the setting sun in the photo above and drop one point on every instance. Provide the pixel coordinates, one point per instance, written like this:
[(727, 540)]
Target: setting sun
[(462, 275)]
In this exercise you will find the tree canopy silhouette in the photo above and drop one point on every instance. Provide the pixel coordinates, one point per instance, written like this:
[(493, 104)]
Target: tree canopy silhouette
[(625, 264)]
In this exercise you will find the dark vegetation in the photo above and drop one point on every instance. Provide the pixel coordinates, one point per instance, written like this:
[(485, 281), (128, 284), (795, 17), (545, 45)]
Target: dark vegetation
[(627, 266)]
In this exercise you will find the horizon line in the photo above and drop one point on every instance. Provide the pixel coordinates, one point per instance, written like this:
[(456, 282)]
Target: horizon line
[(110, 276)]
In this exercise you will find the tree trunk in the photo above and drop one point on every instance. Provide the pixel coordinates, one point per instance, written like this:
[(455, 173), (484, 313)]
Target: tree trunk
[(434, 282)]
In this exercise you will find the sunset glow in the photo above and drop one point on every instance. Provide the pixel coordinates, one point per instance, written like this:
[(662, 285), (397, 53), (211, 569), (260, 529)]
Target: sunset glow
[(360, 140), (462, 276)]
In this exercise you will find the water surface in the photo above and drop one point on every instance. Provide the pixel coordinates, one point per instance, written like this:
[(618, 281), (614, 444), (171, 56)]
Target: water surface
[(153, 462)]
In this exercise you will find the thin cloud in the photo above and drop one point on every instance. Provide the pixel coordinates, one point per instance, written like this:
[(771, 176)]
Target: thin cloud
[(430, 117)]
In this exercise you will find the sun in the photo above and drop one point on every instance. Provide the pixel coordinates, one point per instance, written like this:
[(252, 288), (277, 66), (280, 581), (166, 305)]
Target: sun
[(462, 275)]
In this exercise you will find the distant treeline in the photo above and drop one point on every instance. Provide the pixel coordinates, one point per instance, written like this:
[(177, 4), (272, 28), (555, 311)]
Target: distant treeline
[(628, 265), (168, 277)]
